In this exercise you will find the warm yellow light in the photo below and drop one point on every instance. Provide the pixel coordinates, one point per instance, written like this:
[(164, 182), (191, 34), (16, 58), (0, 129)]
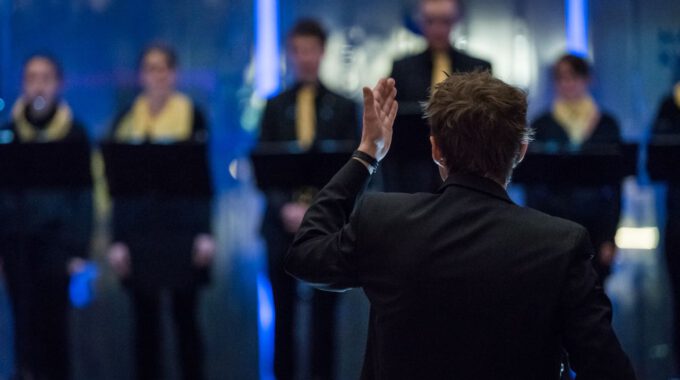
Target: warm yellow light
[(637, 238)]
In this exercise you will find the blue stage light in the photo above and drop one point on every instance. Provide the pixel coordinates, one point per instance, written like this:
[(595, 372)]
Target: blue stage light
[(266, 324), (577, 27), (266, 48), (2, 104)]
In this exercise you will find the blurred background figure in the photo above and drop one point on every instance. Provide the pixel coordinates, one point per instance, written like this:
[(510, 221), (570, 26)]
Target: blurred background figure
[(666, 128), (415, 75), (162, 243), (306, 114), (575, 123), (44, 231)]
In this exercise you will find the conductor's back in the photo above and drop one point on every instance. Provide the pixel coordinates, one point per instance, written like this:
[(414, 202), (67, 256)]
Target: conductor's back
[(463, 283)]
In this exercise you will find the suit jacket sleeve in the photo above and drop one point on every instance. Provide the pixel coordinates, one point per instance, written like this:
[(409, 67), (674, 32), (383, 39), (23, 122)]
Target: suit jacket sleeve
[(322, 251), (594, 350)]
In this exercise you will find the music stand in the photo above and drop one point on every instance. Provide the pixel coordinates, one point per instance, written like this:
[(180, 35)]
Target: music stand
[(282, 165), (604, 164), (166, 169), (45, 166)]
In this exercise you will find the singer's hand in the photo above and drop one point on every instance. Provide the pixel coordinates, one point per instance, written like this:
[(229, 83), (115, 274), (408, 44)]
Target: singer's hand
[(75, 265), (292, 214), (607, 253), (380, 110), (119, 259), (204, 250)]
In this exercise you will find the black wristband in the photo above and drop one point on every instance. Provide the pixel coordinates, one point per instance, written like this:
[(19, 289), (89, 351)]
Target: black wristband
[(370, 160)]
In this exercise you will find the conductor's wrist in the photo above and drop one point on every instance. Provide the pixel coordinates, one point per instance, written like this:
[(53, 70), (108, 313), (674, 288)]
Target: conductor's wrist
[(369, 149), (367, 160)]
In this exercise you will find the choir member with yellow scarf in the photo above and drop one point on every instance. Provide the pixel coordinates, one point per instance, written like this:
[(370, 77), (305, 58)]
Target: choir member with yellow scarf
[(44, 231), (308, 114), (574, 123), (409, 167), (162, 243)]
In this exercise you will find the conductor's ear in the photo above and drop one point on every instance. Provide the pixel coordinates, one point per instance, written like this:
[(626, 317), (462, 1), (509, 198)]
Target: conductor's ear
[(522, 152), (437, 156)]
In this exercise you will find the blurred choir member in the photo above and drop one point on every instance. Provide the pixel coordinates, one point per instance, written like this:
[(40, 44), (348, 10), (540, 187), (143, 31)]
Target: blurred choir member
[(308, 113), (575, 123), (162, 243), (44, 233), (667, 124), (415, 75)]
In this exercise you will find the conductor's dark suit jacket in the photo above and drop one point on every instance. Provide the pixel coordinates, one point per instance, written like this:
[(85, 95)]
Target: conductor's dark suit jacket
[(463, 283)]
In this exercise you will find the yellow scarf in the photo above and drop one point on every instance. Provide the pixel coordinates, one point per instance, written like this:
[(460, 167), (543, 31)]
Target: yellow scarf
[(676, 94), (57, 129), (441, 67), (305, 116), (578, 117), (172, 124)]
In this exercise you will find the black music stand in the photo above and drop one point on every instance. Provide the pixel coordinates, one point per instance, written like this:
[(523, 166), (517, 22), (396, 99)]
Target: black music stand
[(604, 164), (284, 166), (164, 169), (45, 166)]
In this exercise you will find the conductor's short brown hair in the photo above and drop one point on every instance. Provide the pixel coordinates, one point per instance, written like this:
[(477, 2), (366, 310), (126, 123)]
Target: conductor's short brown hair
[(479, 123)]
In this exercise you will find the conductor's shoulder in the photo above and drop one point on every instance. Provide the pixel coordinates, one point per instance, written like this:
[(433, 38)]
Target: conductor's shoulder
[(547, 226), (385, 203)]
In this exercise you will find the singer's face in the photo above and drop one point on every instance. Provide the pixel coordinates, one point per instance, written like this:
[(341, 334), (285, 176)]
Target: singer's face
[(41, 80), (157, 77), (437, 18), (569, 84), (305, 54)]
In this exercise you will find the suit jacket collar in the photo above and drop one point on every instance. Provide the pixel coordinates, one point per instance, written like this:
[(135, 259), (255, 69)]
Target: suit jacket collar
[(476, 183)]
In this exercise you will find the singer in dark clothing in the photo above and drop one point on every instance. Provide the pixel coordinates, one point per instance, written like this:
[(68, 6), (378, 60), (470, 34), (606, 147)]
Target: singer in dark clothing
[(308, 115), (162, 241), (409, 168), (576, 124), (44, 230), (667, 126)]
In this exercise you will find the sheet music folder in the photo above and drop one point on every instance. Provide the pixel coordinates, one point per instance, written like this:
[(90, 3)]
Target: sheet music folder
[(663, 158), (602, 165), (45, 165), (164, 169), (283, 165)]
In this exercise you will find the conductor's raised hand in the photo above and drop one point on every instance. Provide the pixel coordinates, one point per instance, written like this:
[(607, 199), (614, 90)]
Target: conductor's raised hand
[(380, 109)]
